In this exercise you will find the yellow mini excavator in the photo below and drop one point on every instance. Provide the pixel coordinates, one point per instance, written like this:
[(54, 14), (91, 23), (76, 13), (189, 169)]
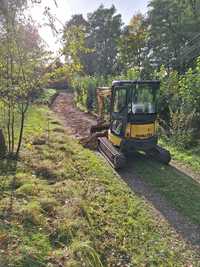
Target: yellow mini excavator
[(132, 122)]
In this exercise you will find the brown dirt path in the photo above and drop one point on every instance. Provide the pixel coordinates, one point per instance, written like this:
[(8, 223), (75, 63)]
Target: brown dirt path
[(78, 125)]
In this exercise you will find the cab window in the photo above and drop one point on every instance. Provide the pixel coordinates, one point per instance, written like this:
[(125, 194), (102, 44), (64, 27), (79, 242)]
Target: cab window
[(119, 100), (144, 99)]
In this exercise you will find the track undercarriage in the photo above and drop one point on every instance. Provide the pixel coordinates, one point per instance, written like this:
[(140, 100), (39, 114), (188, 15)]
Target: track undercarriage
[(117, 159), (113, 155)]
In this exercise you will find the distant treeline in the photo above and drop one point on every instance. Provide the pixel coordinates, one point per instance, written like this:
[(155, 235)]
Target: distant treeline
[(169, 35)]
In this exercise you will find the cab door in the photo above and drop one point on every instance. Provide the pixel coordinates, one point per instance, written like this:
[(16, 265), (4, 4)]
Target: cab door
[(119, 110)]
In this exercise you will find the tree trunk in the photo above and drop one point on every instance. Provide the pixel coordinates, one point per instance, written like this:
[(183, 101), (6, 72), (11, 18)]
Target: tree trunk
[(8, 130), (13, 132), (21, 133), (3, 148)]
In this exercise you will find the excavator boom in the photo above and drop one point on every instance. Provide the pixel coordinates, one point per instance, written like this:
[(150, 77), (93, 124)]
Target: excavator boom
[(102, 93)]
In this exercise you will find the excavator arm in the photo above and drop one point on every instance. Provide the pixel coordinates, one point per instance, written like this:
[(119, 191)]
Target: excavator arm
[(102, 93), (101, 128)]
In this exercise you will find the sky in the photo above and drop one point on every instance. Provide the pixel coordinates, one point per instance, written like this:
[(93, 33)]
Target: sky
[(67, 8)]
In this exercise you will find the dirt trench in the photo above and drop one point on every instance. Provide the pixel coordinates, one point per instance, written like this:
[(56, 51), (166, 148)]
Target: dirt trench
[(78, 124)]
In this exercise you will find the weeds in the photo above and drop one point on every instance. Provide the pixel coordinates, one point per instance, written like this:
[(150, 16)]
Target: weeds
[(49, 205), (86, 254), (31, 213)]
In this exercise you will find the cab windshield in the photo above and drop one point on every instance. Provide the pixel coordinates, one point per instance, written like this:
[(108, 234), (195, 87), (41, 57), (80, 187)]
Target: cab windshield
[(143, 99)]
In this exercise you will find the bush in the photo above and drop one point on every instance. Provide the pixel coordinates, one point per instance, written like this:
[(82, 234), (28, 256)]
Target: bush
[(180, 132), (180, 102), (46, 96)]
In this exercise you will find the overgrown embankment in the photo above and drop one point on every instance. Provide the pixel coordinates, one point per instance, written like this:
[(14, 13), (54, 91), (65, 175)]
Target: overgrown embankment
[(61, 205)]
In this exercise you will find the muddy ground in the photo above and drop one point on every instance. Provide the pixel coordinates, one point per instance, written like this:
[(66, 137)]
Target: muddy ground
[(78, 125)]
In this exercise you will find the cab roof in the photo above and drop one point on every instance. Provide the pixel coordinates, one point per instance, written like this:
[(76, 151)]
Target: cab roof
[(129, 82)]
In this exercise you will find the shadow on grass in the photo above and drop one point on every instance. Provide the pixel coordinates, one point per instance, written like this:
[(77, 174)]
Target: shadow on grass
[(8, 168), (173, 193)]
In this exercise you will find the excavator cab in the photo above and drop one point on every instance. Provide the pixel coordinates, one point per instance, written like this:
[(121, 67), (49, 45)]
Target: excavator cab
[(133, 114)]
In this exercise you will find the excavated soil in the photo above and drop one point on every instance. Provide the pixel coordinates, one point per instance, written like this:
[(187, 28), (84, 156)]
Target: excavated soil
[(78, 125)]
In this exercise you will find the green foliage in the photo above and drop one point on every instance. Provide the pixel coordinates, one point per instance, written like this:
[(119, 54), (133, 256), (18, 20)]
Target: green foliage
[(189, 88), (32, 213), (167, 35), (84, 41), (133, 44), (22, 59), (86, 254), (173, 24), (35, 252), (46, 96), (85, 91), (75, 47), (179, 105), (181, 131), (132, 74), (104, 32)]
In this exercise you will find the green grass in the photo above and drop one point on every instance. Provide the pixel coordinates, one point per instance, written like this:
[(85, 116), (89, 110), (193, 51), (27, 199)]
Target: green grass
[(62, 206), (37, 120), (46, 96), (189, 157)]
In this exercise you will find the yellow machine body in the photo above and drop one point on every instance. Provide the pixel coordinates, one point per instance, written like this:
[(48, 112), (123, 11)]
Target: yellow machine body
[(140, 131), (134, 131)]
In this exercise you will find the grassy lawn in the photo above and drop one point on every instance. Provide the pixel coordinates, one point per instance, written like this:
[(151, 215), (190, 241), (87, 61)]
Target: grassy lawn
[(62, 206)]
